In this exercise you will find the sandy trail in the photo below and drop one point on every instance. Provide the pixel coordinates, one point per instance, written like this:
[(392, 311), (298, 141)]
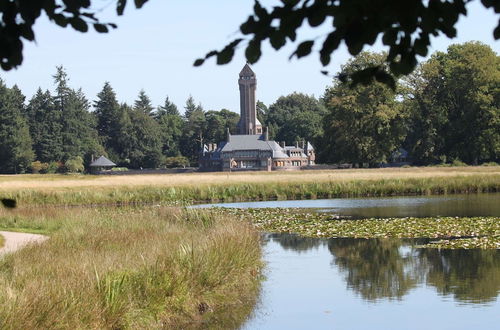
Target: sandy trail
[(15, 241)]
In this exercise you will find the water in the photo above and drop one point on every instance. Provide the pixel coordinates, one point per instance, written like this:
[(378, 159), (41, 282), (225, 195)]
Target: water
[(416, 206), (378, 283), (375, 284)]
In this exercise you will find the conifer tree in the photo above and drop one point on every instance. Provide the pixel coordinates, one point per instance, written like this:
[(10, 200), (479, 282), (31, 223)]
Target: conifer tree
[(15, 143), (171, 123), (107, 112), (143, 104), (45, 127)]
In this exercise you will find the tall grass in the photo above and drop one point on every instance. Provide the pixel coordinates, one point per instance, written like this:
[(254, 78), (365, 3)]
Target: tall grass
[(327, 188), (129, 268), (2, 241)]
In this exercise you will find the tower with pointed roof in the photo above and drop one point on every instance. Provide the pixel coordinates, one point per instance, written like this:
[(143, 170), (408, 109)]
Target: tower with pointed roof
[(248, 124)]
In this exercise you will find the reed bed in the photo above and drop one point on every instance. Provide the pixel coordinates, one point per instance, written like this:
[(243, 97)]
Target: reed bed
[(119, 268), (257, 190)]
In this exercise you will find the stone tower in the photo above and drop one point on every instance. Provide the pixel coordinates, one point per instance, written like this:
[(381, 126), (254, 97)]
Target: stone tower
[(249, 124)]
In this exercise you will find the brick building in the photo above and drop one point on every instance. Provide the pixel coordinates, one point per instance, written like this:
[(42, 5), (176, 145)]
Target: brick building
[(251, 149)]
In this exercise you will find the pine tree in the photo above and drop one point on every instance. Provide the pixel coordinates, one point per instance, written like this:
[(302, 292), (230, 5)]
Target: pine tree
[(107, 112), (16, 154), (143, 104), (171, 123), (45, 127), (78, 127)]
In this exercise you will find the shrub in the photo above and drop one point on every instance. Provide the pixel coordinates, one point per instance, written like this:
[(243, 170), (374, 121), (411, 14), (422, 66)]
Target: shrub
[(74, 165), (458, 162), (489, 164), (179, 161), (38, 167), (119, 169), (54, 167)]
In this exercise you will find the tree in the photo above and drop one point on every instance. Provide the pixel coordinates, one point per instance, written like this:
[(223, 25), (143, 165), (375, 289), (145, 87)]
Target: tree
[(454, 98), (107, 111), (78, 133), (143, 103), (16, 154), (405, 28), (365, 123), (18, 18), (217, 124), (194, 127), (139, 139), (171, 124), (190, 107), (45, 127), (296, 117)]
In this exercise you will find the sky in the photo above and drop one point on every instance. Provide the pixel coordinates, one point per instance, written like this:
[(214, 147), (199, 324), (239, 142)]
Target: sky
[(154, 49)]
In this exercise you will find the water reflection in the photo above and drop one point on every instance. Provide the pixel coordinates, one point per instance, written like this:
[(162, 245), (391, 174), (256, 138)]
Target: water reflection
[(415, 206), (391, 268)]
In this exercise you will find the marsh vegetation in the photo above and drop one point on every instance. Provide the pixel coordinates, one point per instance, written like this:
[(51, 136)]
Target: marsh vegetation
[(129, 268)]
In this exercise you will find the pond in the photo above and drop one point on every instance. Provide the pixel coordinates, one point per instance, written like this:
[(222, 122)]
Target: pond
[(314, 283), (375, 284), (414, 206)]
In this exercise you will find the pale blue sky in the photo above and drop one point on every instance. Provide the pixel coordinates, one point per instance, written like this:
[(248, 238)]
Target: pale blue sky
[(154, 48)]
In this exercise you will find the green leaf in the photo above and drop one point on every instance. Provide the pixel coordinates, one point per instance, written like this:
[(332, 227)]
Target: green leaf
[(198, 62), (253, 52), (79, 24), (9, 203), (101, 28), (139, 3), (304, 49), (120, 6)]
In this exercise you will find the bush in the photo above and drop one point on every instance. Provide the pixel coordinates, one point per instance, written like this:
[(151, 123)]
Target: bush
[(489, 164), (54, 167), (458, 162), (38, 167), (179, 161), (119, 169), (74, 165)]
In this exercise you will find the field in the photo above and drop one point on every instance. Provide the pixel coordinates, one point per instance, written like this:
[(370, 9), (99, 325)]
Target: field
[(195, 187), (119, 268)]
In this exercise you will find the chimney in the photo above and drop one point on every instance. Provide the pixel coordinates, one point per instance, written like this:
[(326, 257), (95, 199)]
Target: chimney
[(297, 144), (303, 144), (228, 135), (282, 144), (266, 134)]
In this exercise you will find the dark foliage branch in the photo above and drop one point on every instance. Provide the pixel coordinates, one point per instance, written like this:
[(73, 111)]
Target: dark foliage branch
[(19, 16), (405, 26), (8, 203)]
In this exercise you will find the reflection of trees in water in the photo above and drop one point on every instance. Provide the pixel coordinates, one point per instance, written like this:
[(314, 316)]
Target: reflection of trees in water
[(469, 275), (390, 268), (374, 267), (295, 242)]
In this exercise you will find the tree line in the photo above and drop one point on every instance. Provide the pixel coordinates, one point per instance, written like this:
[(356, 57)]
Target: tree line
[(447, 110)]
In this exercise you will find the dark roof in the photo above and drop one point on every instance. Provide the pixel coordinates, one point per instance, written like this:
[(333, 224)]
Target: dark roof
[(247, 71), (253, 142), (102, 162)]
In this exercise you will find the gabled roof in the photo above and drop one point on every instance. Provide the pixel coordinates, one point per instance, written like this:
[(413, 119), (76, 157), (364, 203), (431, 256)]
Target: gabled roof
[(253, 142), (247, 71), (309, 146), (102, 162)]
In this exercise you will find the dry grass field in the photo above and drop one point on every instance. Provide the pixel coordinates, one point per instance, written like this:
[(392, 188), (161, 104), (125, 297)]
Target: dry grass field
[(56, 182)]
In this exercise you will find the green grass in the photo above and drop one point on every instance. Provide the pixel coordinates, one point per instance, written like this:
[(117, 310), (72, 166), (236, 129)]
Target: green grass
[(119, 268), (220, 192), (2, 241), (445, 232)]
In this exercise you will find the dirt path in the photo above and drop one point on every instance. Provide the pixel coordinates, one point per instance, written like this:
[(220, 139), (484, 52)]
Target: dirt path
[(15, 241)]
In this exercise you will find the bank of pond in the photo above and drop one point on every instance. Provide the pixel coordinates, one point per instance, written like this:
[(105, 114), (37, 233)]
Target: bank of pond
[(219, 191)]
